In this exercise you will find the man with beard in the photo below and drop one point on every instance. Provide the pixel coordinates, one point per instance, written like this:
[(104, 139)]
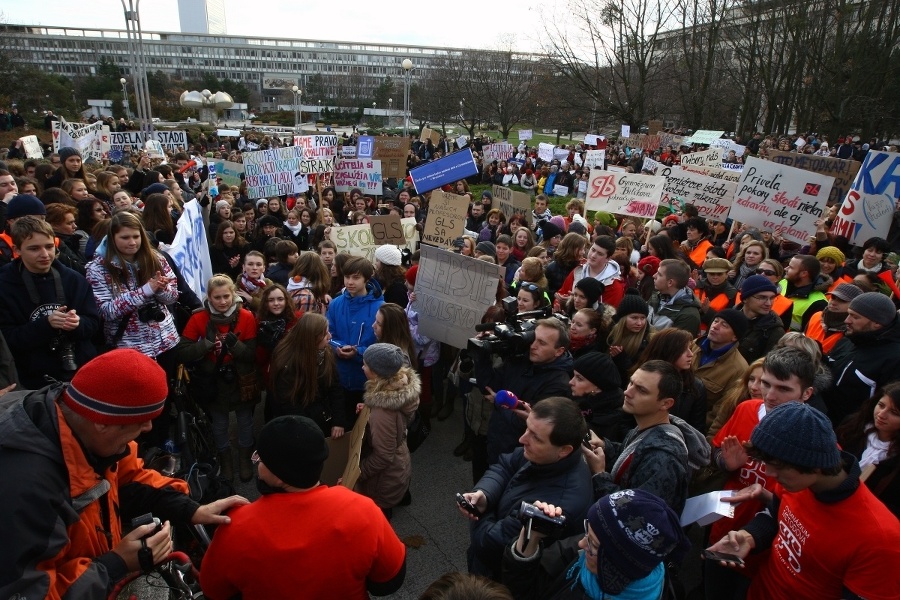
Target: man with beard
[(868, 356), (827, 327)]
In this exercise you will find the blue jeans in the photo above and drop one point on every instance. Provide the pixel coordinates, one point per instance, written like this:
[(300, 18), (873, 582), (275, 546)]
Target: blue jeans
[(220, 420)]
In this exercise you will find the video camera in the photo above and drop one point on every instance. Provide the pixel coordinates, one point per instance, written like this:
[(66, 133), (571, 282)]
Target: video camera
[(514, 336)]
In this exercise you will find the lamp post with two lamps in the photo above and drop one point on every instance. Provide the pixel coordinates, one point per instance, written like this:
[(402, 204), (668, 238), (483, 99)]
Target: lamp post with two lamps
[(124, 83), (407, 77), (298, 94)]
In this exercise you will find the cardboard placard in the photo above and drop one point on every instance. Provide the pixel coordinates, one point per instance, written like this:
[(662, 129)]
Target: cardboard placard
[(392, 152), (387, 229), (712, 197), (654, 126), (358, 240), (359, 174), (869, 207), (624, 193), (497, 152), (430, 134), (344, 454), (595, 159), (446, 219), (706, 158), (452, 293), (285, 171), (780, 198), (511, 202), (525, 134), (843, 171), (703, 137), (230, 172), (590, 139), (32, 146)]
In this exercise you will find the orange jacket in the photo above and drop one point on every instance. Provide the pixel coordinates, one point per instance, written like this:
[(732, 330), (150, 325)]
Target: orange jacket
[(698, 254)]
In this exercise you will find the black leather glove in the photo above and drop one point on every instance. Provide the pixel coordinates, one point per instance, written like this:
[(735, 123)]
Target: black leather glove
[(230, 340)]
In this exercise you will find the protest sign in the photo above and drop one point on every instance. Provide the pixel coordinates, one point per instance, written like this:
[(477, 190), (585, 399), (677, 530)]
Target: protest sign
[(545, 151), (122, 143), (709, 158), (868, 209), (31, 146), (594, 158), (590, 139), (361, 174), (84, 138), (626, 131), (392, 152), (190, 250), (365, 146), (560, 154), (511, 202), (497, 152), (669, 139), (525, 134), (461, 142), (348, 151), (283, 171), (387, 229), (727, 146), (319, 153), (448, 169), (358, 240), (843, 171), (651, 165), (780, 198), (654, 126), (560, 190), (430, 134), (446, 218), (704, 137), (230, 172), (228, 133), (452, 293), (154, 149), (714, 172), (624, 193), (712, 197)]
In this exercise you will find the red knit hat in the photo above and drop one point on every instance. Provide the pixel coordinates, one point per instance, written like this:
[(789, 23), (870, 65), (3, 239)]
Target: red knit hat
[(121, 387), (411, 275), (649, 265)]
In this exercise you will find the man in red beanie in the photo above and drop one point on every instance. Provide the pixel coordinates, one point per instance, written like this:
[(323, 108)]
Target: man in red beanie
[(71, 471)]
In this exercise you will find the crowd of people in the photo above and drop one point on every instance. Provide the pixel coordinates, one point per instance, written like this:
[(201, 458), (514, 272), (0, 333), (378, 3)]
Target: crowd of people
[(662, 359)]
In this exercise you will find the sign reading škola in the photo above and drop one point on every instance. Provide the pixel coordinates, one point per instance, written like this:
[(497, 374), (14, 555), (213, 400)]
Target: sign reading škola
[(780, 198), (362, 240), (624, 193), (446, 218)]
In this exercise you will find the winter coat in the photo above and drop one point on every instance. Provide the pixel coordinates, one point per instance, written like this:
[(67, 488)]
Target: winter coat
[(428, 351), (808, 299), (662, 461), (763, 334), (691, 405), (385, 467), (152, 337), (60, 519), (220, 258), (682, 311), (514, 479), (610, 277), (861, 363), (556, 274), (718, 376), (350, 321), (279, 273), (604, 415), (327, 409)]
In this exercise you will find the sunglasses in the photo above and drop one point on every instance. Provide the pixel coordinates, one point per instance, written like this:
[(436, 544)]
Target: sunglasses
[(766, 272), (530, 287)]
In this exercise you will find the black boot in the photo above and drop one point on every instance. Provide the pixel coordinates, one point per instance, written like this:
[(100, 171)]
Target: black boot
[(463, 445), (447, 409)]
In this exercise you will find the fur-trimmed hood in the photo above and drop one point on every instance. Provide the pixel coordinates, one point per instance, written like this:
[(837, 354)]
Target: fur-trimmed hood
[(400, 392)]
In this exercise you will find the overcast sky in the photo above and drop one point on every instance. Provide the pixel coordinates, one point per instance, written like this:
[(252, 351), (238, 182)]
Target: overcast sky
[(460, 23)]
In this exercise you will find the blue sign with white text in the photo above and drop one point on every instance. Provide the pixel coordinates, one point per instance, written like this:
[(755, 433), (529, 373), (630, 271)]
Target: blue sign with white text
[(448, 169)]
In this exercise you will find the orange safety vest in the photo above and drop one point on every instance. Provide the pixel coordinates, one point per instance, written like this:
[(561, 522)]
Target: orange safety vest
[(698, 254), (8, 240), (816, 331), (720, 302), (839, 281)]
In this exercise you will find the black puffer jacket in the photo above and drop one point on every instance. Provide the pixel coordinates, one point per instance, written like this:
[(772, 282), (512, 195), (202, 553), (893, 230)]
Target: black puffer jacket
[(764, 333)]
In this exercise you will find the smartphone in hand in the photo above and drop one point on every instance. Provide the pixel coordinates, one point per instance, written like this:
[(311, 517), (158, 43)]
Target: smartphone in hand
[(467, 506)]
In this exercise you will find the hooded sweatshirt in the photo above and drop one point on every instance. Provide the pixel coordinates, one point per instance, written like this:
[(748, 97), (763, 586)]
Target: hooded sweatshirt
[(350, 320)]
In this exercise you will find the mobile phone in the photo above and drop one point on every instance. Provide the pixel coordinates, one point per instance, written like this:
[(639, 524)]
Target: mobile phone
[(335, 343), (713, 555), (467, 506), (147, 519), (586, 441)]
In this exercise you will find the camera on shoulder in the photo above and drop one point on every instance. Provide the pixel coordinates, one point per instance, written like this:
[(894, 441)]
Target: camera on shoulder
[(513, 336)]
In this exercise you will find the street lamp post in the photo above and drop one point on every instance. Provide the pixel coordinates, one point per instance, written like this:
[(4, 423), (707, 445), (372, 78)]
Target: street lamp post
[(124, 83), (407, 76), (319, 114), (373, 115), (298, 93), (387, 118)]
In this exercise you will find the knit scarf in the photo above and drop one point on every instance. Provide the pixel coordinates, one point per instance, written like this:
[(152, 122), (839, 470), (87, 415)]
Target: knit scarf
[(295, 229), (251, 286), (222, 318), (577, 342)]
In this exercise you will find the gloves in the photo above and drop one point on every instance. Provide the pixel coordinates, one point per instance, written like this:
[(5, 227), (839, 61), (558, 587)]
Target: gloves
[(230, 340)]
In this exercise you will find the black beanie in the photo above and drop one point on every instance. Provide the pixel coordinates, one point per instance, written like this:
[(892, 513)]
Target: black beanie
[(631, 304), (591, 288), (598, 368), (293, 448)]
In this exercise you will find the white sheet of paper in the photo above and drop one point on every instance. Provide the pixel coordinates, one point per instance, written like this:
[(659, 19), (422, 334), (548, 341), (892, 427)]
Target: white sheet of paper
[(707, 508)]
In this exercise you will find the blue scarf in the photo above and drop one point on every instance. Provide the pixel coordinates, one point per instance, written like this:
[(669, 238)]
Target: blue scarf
[(650, 587)]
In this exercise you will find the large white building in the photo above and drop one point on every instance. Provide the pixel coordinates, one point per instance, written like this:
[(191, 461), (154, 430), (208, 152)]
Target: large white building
[(202, 16)]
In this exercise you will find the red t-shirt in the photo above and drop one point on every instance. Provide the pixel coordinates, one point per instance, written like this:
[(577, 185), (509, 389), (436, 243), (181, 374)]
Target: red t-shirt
[(741, 424), (324, 543), (821, 548)]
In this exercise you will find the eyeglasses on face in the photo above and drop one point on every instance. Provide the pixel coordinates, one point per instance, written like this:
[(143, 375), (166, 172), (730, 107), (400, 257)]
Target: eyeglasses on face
[(591, 549)]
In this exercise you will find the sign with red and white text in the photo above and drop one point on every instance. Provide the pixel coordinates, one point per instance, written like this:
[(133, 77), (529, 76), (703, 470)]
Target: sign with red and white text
[(624, 193), (869, 206), (781, 198)]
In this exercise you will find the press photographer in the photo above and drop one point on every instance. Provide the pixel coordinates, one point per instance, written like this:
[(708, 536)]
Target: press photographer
[(47, 311), (536, 364)]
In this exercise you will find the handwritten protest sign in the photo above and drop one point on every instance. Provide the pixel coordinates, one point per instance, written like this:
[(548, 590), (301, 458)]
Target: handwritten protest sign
[(392, 152), (624, 193), (707, 158), (31, 146), (446, 218), (462, 141), (714, 172), (703, 137), (843, 171), (560, 154), (87, 139), (594, 159), (727, 146), (669, 139), (511, 202), (387, 229), (283, 171), (358, 240), (122, 143), (545, 151), (626, 131), (362, 174), (651, 165), (868, 209), (590, 139), (712, 197), (450, 168), (780, 198), (497, 152), (430, 134), (525, 134), (452, 293), (230, 172), (654, 125)]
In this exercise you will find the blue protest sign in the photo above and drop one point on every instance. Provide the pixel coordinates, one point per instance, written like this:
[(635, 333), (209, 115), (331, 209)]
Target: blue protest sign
[(448, 169), (365, 146)]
